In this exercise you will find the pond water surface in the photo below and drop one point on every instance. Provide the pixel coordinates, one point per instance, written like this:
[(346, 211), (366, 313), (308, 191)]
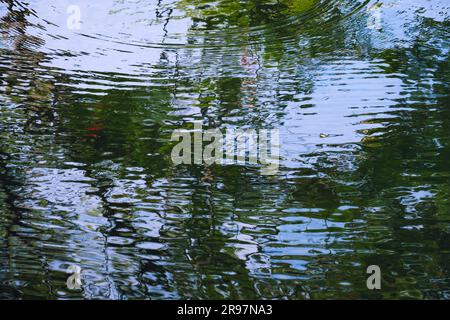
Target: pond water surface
[(358, 89)]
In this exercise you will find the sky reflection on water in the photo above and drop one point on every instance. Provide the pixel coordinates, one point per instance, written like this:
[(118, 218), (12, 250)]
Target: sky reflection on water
[(85, 171)]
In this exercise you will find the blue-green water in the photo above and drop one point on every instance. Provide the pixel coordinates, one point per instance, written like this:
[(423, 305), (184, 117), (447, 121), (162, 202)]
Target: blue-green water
[(358, 89)]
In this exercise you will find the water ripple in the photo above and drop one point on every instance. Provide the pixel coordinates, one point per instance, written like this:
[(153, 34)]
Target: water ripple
[(86, 178)]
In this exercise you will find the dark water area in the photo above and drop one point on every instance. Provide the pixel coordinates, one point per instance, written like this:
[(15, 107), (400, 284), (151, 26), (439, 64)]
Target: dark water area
[(358, 89)]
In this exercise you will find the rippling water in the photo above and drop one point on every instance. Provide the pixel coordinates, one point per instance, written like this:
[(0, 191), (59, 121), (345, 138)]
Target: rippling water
[(359, 90)]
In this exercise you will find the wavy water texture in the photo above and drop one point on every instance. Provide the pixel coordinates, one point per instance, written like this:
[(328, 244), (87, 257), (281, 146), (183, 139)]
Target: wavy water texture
[(358, 89)]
